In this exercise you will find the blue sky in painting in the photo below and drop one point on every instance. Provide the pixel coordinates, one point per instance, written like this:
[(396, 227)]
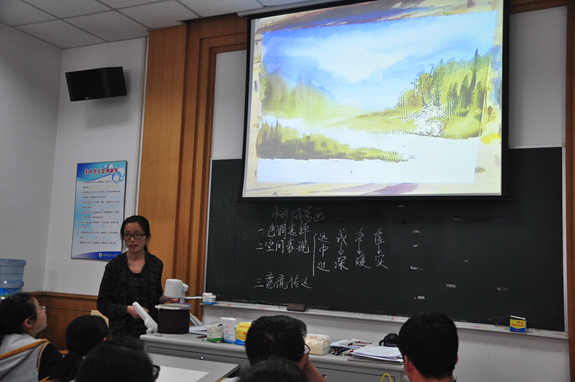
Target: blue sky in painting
[(370, 64)]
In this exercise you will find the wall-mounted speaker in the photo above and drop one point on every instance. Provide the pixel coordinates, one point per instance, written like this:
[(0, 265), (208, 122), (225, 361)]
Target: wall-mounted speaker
[(96, 83)]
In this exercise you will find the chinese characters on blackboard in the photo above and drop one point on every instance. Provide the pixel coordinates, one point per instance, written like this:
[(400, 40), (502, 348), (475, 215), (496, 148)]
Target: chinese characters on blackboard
[(296, 230)]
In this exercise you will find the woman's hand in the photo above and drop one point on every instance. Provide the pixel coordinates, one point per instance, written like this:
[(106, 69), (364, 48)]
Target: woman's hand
[(165, 299), (132, 312)]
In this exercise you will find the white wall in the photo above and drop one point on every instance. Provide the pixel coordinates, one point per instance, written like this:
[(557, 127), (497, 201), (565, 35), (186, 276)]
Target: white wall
[(537, 83), (536, 119), (29, 93), (92, 131), (42, 138)]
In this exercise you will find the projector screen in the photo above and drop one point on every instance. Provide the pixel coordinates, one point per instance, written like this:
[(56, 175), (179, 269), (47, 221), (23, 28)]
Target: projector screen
[(379, 98)]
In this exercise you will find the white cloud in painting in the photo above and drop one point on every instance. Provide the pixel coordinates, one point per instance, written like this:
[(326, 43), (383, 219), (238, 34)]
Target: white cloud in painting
[(357, 51)]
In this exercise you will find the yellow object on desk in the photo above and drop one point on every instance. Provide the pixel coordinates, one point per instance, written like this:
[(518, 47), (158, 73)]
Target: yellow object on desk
[(242, 332)]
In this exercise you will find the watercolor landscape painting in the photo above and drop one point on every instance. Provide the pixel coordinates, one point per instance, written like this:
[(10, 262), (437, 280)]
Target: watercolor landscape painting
[(377, 98)]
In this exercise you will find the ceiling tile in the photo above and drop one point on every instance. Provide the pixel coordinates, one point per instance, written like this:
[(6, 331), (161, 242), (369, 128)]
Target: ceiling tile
[(110, 26), (160, 15), (61, 34), (69, 8), (271, 3), (220, 7), (15, 12), (128, 3), (74, 23)]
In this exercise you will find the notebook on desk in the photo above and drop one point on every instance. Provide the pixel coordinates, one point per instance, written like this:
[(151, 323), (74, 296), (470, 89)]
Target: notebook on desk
[(378, 353)]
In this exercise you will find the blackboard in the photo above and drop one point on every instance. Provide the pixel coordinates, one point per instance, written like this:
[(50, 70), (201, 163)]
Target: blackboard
[(477, 261)]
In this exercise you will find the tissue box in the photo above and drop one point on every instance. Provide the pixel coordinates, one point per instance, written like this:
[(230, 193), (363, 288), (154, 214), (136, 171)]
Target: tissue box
[(318, 343), (214, 333), (208, 299), (229, 329)]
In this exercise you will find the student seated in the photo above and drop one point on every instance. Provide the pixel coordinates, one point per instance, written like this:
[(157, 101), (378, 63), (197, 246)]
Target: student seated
[(429, 344), (284, 337), (24, 358), (274, 370), (82, 335), (120, 359)]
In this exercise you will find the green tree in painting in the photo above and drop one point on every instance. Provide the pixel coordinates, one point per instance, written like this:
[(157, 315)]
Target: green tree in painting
[(278, 142), (447, 101)]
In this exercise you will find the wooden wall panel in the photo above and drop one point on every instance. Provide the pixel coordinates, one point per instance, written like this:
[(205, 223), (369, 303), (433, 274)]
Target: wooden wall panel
[(161, 145), (177, 140), (205, 39), (518, 6), (61, 309)]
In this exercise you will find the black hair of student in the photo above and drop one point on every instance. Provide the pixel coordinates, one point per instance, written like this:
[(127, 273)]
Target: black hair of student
[(276, 336), (126, 342), (82, 335), (116, 361), (142, 221), (430, 341), (274, 370), (14, 310)]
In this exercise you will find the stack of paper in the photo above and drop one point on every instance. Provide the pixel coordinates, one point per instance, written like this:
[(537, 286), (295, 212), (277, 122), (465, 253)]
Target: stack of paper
[(199, 329), (350, 344), (380, 353)]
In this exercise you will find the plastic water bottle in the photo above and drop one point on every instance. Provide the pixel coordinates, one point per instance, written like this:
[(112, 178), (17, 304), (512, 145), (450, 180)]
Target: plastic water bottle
[(11, 277)]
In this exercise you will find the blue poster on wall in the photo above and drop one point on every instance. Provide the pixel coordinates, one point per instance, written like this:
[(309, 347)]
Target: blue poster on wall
[(99, 210)]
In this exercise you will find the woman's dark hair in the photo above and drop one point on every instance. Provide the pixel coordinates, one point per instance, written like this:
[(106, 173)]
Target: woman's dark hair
[(14, 310), (276, 336), (117, 360), (82, 334), (274, 370), (142, 221)]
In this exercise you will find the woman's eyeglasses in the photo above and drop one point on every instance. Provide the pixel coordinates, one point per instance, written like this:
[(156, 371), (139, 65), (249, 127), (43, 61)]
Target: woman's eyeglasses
[(307, 349), (42, 309), (155, 372), (136, 235)]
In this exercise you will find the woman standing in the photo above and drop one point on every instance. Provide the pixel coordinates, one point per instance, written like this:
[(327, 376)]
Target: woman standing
[(135, 275), (24, 358)]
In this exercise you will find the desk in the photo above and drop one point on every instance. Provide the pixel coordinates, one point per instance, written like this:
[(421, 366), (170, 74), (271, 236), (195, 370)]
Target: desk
[(191, 370), (338, 369)]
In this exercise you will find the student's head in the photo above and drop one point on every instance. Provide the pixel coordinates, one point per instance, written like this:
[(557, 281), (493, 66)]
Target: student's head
[(85, 332), (276, 336), (21, 313), (82, 335), (126, 342), (117, 360), (429, 342), (138, 225), (274, 370)]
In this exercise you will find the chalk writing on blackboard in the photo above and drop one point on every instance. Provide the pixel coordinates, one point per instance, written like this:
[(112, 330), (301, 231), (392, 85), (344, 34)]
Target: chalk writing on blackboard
[(500, 258), (289, 232), (271, 281)]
